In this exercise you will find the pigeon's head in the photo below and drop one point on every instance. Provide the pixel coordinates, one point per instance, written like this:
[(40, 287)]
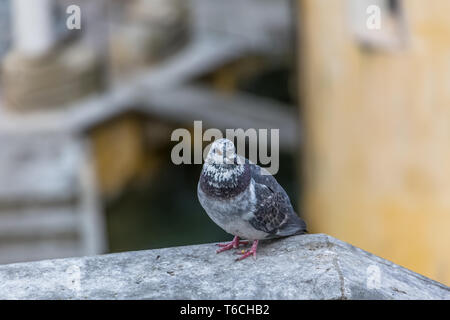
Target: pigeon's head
[(222, 152)]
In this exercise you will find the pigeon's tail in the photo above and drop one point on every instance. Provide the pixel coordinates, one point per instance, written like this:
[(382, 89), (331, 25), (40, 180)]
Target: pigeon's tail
[(294, 226)]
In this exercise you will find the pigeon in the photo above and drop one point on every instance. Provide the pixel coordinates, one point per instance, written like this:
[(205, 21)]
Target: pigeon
[(244, 199)]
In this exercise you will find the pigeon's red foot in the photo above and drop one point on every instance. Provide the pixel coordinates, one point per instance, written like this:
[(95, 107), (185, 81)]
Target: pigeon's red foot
[(250, 252), (230, 245)]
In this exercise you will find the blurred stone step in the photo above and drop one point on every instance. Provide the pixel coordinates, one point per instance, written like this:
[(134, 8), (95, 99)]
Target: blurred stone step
[(38, 168), (48, 198), (39, 249), (31, 223)]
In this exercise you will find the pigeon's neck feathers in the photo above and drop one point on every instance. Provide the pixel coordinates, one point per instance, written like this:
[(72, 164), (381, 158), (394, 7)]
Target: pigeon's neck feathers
[(224, 180)]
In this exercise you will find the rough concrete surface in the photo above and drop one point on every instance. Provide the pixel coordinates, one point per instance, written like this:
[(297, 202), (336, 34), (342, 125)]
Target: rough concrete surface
[(313, 266)]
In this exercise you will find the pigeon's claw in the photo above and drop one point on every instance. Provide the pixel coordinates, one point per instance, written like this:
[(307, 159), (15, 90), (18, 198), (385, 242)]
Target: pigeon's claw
[(248, 253), (230, 245)]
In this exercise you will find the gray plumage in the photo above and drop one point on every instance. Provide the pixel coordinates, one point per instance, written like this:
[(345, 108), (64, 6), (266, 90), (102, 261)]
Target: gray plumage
[(242, 200)]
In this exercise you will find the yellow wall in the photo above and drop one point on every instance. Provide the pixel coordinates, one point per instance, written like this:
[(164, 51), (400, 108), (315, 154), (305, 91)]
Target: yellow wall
[(377, 135)]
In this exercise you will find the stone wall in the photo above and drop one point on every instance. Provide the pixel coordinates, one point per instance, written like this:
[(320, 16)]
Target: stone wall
[(314, 266)]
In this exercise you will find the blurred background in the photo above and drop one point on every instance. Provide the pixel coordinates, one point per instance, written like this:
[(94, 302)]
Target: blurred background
[(88, 105)]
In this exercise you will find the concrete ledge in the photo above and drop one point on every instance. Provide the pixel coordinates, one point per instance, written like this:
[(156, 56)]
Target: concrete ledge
[(313, 266)]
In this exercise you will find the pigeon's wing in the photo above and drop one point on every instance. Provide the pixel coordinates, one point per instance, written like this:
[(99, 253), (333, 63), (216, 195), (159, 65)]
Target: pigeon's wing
[(262, 176), (273, 213)]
